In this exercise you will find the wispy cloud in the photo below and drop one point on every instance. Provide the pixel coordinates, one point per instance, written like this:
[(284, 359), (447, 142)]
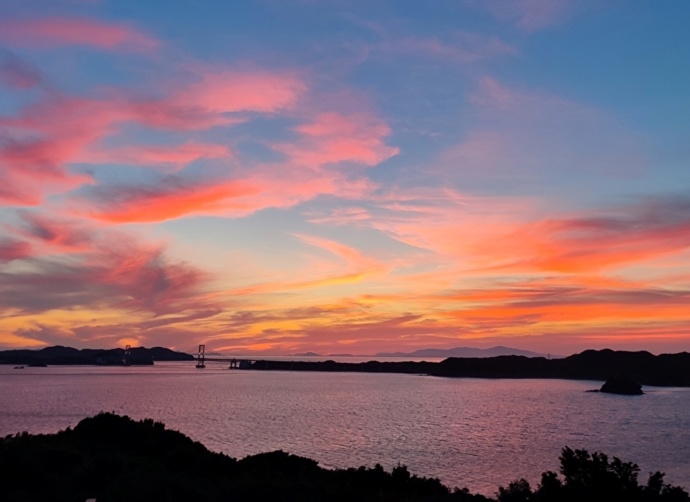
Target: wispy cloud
[(222, 91), (167, 157), (57, 234), (609, 239), (532, 138), (39, 145), (59, 31), (16, 73), (458, 47), (528, 15), (335, 137), (12, 249), (113, 273)]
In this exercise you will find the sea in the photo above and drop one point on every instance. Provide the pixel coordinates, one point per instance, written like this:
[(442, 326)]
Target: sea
[(467, 432)]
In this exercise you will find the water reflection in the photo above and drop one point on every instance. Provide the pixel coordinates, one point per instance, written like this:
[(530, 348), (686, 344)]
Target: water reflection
[(460, 430)]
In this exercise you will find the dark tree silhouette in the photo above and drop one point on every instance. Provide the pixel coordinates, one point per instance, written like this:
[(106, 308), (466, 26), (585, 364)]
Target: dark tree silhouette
[(114, 458), (593, 477)]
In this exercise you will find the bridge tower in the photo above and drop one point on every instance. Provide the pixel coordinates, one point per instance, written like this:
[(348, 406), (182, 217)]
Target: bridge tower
[(128, 353), (201, 357)]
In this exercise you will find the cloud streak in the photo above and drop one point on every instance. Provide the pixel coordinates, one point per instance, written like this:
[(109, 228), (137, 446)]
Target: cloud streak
[(528, 15), (64, 31), (39, 145)]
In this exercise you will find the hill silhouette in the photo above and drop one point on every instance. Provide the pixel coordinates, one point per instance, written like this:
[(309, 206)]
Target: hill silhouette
[(641, 367), (114, 458), (59, 355)]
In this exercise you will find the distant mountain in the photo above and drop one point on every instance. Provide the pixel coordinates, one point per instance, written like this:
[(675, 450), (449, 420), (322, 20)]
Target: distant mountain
[(307, 354), (463, 352)]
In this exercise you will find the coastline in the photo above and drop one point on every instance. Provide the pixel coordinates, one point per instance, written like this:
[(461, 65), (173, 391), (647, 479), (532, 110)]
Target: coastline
[(666, 370)]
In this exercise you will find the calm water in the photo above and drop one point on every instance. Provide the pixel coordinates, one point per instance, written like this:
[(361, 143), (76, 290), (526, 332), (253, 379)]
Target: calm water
[(467, 432)]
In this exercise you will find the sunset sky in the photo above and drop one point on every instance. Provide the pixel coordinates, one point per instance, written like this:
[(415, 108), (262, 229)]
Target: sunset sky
[(282, 176)]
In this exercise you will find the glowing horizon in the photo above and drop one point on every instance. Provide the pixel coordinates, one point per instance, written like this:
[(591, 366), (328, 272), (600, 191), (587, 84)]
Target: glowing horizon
[(337, 177)]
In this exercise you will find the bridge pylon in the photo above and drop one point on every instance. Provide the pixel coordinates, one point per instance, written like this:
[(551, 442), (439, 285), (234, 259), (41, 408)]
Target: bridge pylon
[(126, 357), (201, 357)]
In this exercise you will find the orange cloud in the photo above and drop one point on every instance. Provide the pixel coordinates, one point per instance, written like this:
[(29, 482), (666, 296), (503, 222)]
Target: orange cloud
[(358, 267), (176, 196), (568, 304), (171, 200), (609, 240), (347, 253)]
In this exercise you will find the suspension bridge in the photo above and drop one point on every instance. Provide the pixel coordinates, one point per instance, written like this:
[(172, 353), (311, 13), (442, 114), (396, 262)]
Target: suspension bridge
[(235, 362)]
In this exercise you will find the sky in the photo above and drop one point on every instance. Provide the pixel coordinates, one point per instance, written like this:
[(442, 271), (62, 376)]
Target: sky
[(283, 176)]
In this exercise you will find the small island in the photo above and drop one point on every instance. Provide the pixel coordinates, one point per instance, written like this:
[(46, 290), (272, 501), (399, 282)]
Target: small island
[(622, 386)]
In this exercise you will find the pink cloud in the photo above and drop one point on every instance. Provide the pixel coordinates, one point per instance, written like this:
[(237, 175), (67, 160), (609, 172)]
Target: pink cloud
[(116, 271), (42, 140), (57, 31), (11, 249), (217, 93), (146, 279), (33, 168), (174, 197), (58, 234), (335, 137), (175, 156), (230, 91), (285, 185), (168, 114), (46, 137)]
